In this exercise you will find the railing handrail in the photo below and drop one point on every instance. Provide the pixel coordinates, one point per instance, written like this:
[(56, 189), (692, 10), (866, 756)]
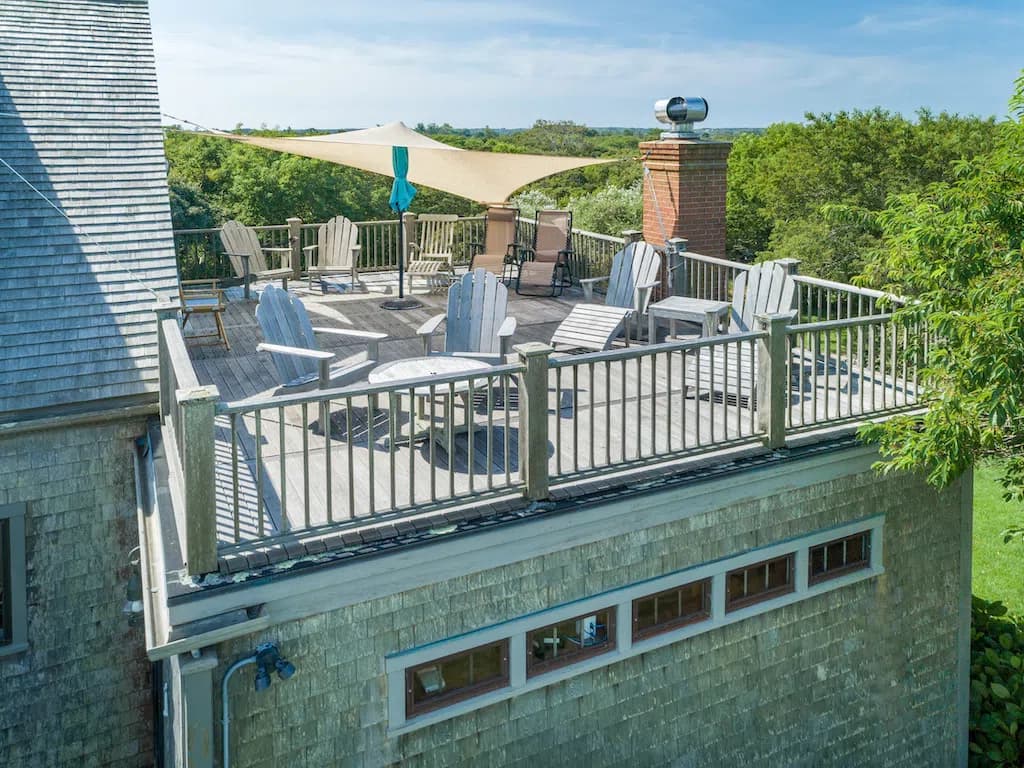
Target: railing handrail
[(629, 353), (818, 282), (184, 372), (716, 261), (830, 325)]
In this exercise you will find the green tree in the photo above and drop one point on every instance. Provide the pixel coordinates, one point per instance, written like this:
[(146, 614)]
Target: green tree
[(957, 248)]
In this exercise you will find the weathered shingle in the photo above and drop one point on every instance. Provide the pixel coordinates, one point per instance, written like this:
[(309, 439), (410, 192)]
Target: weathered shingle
[(79, 119)]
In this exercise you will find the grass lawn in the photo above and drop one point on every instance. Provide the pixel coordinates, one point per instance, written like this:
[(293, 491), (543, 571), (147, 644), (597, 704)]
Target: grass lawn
[(998, 571)]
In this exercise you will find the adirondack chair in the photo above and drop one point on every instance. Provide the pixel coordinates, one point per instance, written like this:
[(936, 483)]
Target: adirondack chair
[(545, 265), (476, 322), (294, 350), (635, 271), (336, 251), (498, 253), (765, 288), (433, 250), (248, 257)]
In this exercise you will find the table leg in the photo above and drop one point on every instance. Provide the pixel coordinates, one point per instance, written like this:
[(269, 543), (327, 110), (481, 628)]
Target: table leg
[(652, 328)]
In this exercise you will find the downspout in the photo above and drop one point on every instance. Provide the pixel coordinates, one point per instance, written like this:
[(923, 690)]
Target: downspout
[(224, 731)]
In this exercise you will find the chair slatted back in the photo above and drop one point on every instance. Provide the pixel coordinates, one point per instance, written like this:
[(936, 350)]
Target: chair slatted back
[(636, 264), (552, 233), (240, 239), (436, 235), (335, 241), (764, 288), (502, 229), (283, 320), (476, 309)]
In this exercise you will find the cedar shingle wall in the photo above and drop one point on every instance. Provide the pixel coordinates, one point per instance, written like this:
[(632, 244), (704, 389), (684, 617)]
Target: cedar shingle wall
[(80, 120)]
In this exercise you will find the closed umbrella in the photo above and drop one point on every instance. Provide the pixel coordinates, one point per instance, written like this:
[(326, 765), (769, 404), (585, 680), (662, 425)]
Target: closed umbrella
[(402, 193)]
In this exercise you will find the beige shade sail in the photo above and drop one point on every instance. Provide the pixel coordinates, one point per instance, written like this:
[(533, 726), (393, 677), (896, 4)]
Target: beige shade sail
[(486, 177)]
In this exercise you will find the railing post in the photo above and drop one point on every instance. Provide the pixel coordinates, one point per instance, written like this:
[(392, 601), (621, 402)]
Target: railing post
[(197, 465), (632, 236), (164, 310), (678, 278), (295, 241), (772, 384), (533, 419), (790, 265)]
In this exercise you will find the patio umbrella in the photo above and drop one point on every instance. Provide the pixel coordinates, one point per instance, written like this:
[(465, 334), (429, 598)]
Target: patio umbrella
[(402, 193)]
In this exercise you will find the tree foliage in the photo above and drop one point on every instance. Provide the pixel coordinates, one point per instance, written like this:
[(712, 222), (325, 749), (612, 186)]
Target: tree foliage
[(957, 249)]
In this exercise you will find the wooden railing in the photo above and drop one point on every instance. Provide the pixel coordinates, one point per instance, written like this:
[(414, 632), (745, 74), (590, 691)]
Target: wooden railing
[(201, 255)]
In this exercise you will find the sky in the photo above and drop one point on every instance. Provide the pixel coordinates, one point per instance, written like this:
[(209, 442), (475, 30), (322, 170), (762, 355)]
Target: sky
[(338, 64)]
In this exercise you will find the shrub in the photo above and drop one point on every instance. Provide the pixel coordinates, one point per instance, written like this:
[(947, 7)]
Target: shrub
[(532, 200), (997, 686), (608, 211)]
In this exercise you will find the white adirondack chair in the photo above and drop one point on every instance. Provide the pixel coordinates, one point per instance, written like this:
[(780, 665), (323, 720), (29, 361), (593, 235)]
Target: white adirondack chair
[(477, 325), (433, 250), (765, 288), (635, 273), (249, 258), (297, 356), (336, 251)]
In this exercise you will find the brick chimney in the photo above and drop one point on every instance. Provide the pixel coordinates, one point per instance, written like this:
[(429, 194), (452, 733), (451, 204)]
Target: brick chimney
[(688, 180)]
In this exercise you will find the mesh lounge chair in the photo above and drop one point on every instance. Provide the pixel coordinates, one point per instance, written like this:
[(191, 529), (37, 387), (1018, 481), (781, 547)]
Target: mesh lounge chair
[(498, 254), (336, 251), (546, 271), (249, 258), (297, 356), (477, 325), (433, 249), (634, 275)]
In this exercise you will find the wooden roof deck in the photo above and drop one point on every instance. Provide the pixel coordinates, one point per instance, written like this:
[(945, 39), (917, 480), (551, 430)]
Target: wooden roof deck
[(605, 414)]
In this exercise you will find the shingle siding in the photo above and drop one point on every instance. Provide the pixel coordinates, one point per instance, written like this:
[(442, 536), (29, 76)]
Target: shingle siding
[(75, 318)]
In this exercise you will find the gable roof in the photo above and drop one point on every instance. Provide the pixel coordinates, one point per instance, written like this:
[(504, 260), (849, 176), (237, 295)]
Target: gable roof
[(79, 119)]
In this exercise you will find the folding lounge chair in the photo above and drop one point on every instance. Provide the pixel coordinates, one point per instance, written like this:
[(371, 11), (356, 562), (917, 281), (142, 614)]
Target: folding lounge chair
[(499, 253), (634, 275), (547, 268), (203, 297), (336, 251)]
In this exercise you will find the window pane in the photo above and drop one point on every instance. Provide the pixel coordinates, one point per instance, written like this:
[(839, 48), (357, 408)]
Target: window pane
[(456, 677), (695, 598), (763, 580), (568, 641), (840, 556), (675, 608), (756, 579), (735, 585), (645, 616), (668, 607), (855, 549), (836, 559), (778, 573), (817, 561)]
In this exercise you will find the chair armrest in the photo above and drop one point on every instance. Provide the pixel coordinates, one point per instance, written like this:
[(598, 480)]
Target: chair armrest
[(314, 354), (427, 330), (587, 283), (483, 357), (312, 247), (642, 294), (505, 333), (365, 335), (275, 249)]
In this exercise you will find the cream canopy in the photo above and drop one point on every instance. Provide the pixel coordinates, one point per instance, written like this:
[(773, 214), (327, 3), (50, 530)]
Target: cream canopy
[(486, 177)]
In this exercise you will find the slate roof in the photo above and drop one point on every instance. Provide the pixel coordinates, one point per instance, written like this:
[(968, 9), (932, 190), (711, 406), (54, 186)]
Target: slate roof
[(79, 118)]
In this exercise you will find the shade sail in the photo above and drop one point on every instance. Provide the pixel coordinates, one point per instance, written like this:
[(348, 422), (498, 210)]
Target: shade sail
[(486, 177)]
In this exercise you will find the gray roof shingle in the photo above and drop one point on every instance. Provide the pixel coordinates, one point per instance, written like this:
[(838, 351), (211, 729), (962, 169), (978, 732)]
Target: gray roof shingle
[(80, 119)]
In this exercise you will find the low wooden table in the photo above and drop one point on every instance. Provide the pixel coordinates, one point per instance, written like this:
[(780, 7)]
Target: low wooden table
[(709, 314), (425, 368)]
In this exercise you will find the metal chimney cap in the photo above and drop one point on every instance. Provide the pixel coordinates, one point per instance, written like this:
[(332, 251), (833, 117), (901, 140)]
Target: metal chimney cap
[(681, 112)]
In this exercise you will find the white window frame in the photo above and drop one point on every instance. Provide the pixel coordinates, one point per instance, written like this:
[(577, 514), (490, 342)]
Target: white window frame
[(14, 517), (515, 630)]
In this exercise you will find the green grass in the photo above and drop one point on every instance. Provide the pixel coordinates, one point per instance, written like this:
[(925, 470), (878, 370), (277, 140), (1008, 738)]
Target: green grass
[(998, 571)]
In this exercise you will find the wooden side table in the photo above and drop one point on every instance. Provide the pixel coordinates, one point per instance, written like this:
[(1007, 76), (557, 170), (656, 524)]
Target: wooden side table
[(711, 315)]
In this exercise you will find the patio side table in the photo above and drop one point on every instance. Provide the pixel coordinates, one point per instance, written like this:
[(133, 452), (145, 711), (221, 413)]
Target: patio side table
[(711, 315)]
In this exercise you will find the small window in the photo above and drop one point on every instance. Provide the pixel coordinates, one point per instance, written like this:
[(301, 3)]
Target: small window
[(671, 609), (13, 622), (757, 582), (454, 678), (569, 641), (835, 558)]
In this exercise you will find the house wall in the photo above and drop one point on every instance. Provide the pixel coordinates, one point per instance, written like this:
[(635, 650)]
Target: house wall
[(863, 675), (80, 695)]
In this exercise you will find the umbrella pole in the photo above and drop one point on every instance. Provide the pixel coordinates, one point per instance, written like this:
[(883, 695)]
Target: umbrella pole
[(401, 302)]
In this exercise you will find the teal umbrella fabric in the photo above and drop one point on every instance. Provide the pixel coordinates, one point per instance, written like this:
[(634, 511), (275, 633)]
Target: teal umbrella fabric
[(402, 192)]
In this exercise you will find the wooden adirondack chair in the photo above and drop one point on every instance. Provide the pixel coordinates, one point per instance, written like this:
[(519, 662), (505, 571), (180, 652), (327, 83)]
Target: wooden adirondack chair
[(433, 250), (336, 251), (498, 253), (248, 258), (545, 265), (765, 288), (635, 273), (297, 356), (477, 325)]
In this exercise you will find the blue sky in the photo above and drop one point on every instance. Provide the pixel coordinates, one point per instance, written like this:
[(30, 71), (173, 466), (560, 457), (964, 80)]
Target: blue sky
[(602, 62)]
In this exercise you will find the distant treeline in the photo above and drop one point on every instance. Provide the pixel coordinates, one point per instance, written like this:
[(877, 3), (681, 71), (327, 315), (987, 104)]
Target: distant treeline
[(782, 179)]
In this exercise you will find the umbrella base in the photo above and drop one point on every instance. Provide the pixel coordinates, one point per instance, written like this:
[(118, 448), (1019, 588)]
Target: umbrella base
[(398, 304)]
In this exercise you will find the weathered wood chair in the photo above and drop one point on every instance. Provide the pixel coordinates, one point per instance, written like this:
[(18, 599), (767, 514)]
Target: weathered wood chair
[(477, 325), (203, 297), (249, 258), (634, 275), (336, 251), (498, 253), (765, 288), (293, 347), (544, 266), (433, 250)]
